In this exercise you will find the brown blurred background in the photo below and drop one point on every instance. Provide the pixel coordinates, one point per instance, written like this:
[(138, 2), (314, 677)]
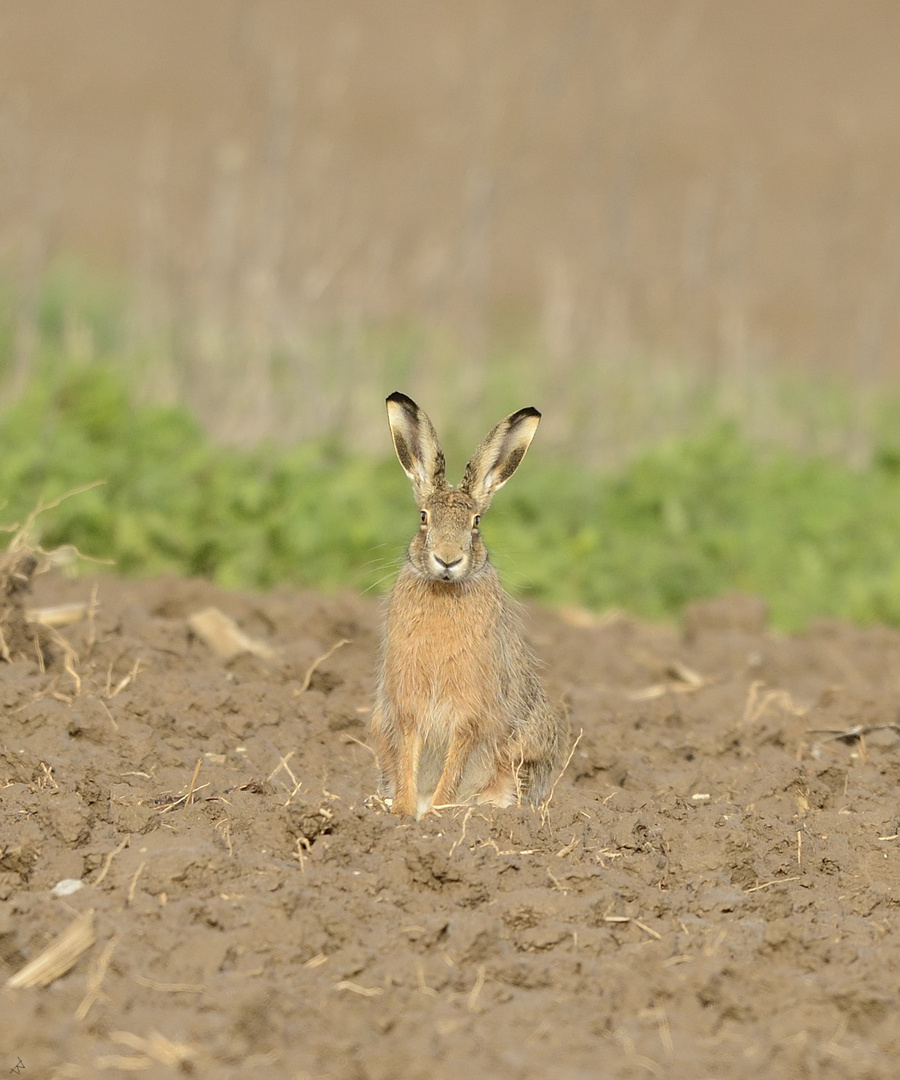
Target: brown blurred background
[(656, 197)]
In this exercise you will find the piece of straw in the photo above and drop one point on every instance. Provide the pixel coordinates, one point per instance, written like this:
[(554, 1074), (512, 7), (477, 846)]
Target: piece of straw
[(60, 955)]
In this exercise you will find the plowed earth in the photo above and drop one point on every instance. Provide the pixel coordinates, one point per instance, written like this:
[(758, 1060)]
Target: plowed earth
[(712, 892)]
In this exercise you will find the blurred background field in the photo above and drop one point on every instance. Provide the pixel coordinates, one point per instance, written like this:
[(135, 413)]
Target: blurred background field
[(229, 228)]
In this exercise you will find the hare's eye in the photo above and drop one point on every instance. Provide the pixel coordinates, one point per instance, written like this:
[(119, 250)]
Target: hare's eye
[(424, 517), (475, 521)]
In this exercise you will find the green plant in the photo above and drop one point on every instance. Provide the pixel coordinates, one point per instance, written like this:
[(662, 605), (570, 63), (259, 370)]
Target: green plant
[(686, 519)]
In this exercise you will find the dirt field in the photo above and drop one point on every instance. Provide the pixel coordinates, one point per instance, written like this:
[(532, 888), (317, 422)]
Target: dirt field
[(711, 893)]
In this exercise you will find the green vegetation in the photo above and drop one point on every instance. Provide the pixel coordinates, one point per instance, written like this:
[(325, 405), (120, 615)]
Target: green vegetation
[(690, 518)]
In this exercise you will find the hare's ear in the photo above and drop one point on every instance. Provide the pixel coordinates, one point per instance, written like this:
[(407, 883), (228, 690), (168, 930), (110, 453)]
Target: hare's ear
[(498, 457), (417, 446)]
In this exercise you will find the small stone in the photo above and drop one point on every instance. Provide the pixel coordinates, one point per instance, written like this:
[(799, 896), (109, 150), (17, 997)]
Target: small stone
[(67, 886)]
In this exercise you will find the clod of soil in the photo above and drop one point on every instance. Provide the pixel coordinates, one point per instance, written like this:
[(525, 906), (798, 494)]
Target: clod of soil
[(17, 635)]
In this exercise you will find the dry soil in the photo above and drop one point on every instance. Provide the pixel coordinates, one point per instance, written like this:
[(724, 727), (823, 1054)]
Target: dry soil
[(712, 891)]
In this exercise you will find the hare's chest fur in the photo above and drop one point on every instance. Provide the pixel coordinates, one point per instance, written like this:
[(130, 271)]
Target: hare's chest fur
[(440, 657)]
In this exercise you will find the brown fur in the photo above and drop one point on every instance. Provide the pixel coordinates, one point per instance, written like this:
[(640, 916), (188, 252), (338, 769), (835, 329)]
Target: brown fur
[(460, 713)]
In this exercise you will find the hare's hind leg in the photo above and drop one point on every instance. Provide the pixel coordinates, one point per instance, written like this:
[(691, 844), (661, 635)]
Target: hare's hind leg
[(535, 784), (535, 752), (384, 750), (503, 790)]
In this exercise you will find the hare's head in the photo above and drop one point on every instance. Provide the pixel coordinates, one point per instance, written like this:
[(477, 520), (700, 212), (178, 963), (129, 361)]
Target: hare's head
[(448, 545)]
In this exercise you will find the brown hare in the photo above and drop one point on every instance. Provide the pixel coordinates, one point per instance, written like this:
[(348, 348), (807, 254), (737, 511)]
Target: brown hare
[(460, 713)]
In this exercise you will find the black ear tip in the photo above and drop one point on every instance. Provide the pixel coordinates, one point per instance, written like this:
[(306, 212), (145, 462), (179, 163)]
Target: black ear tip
[(530, 411), (400, 399)]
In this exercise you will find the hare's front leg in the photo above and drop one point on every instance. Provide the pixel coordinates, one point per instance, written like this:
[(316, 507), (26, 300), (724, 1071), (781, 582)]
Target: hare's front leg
[(406, 794), (458, 754)]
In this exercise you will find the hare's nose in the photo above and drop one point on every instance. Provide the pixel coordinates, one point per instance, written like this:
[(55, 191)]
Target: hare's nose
[(447, 565)]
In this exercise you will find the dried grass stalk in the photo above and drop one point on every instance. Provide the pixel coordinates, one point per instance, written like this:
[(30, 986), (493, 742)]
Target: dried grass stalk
[(311, 670), (58, 615), (224, 637), (157, 1048), (60, 956)]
